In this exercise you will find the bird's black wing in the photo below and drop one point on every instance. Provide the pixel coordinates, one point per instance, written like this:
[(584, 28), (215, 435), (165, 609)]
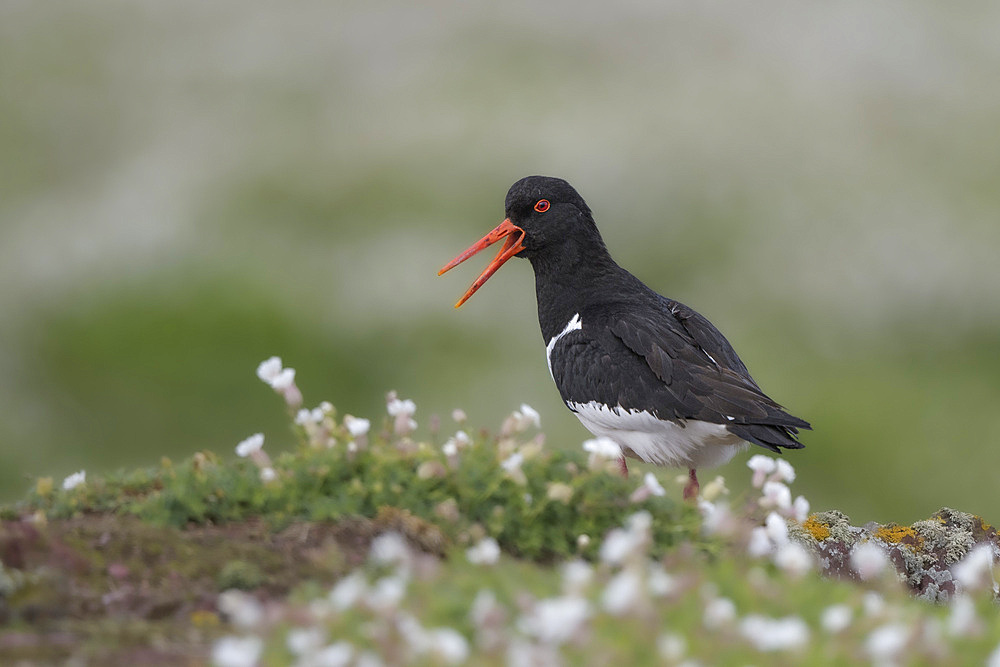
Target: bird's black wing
[(697, 375)]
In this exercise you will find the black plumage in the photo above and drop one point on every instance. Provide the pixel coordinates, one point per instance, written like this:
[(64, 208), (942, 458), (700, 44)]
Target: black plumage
[(615, 347)]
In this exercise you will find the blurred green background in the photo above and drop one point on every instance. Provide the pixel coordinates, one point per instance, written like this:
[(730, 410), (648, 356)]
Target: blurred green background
[(187, 188)]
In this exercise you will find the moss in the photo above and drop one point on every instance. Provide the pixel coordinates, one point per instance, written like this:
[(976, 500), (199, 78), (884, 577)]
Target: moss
[(240, 574)]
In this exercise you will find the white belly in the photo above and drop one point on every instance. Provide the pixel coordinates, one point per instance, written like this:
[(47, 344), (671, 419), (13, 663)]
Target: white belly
[(693, 444)]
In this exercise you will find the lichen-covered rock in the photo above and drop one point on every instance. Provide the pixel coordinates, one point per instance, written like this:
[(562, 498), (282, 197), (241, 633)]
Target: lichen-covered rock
[(922, 554)]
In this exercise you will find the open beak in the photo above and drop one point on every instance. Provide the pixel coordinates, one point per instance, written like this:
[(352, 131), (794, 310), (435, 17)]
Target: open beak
[(512, 246)]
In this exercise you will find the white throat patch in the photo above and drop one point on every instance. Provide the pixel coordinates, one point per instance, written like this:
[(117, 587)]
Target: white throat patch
[(574, 324)]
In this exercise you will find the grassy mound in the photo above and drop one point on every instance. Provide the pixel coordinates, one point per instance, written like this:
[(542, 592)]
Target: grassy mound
[(374, 546)]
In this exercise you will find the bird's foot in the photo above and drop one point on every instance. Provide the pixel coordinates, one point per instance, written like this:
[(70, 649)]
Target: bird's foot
[(623, 467), (692, 488)]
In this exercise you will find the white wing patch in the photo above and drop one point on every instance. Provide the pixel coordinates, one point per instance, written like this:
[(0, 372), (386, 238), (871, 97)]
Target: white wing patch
[(574, 324), (690, 444)]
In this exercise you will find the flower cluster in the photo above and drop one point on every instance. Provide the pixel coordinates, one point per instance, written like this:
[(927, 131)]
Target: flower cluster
[(74, 480), (377, 614), (253, 449), (282, 380), (376, 592)]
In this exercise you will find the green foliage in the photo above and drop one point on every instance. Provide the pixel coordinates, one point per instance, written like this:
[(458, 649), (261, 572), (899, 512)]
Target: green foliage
[(240, 574), (468, 495)]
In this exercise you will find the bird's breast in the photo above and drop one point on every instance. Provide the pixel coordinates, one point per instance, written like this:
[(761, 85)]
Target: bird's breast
[(683, 444)]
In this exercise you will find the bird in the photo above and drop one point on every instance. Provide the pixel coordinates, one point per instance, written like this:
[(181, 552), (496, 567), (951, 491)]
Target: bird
[(647, 372)]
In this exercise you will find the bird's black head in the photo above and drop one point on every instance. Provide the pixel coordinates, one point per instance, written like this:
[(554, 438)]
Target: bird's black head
[(549, 211), (545, 216)]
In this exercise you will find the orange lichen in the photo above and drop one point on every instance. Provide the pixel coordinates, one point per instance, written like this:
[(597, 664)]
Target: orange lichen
[(894, 534), (820, 530)]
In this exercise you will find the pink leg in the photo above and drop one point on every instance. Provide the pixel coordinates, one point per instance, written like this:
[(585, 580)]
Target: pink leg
[(692, 487), (623, 466)]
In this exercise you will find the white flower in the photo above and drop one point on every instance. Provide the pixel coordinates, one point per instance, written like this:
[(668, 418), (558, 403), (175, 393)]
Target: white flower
[(520, 420), (577, 574), (622, 593), (449, 645), (719, 612), (283, 380), (762, 466), (269, 369), (836, 618), (512, 462), (338, 654), (237, 651), (369, 659), (653, 484), (994, 658), (462, 438), (624, 542), (250, 445), (885, 643), (531, 415), (458, 414), (716, 519), (775, 634), (387, 593), (777, 495), (869, 560), (715, 489), (242, 609), (348, 591), (449, 448), (777, 528), (402, 412), (671, 647), (603, 447), (356, 426), (640, 522), (660, 582), (74, 480), (800, 509), (759, 544), (413, 633), (793, 558), (267, 474), (619, 545), (963, 620), (304, 641), (485, 552), (975, 571), (555, 620), (303, 417), (397, 407), (483, 606), (389, 548), (872, 603), (784, 471)]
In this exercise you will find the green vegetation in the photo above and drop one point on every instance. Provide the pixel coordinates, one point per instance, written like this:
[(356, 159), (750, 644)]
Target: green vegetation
[(429, 550)]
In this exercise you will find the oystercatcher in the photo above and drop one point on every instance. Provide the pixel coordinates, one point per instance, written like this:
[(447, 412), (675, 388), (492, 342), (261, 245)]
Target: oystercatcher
[(645, 371)]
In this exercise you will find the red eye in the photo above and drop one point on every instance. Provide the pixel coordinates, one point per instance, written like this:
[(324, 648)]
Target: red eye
[(542, 205)]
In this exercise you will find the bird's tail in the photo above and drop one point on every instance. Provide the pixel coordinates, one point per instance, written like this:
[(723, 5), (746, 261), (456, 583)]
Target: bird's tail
[(774, 437)]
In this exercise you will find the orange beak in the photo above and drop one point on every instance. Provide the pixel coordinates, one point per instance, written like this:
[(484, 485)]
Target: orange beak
[(510, 248)]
